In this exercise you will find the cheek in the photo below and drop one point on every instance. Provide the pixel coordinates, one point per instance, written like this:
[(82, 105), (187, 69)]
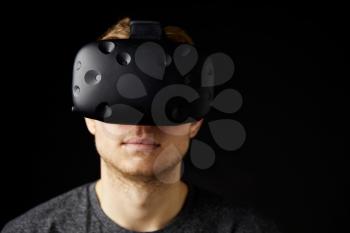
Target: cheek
[(177, 136), (112, 131), (180, 142), (179, 130), (102, 144), (107, 142)]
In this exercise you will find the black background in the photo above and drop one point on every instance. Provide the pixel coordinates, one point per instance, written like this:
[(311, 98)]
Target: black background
[(290, 70)]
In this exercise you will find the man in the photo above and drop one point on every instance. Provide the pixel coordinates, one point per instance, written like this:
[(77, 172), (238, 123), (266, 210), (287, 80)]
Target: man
[(140, 188)]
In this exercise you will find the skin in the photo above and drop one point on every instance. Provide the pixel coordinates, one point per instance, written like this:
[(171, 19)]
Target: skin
[(141, 190)]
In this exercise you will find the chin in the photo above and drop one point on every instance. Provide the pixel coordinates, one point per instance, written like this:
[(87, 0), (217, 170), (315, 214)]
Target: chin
[(145, 169), (138, 173), (137, 168)]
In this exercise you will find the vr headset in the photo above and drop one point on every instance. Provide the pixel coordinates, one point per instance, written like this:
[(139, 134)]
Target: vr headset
[(144, 80)]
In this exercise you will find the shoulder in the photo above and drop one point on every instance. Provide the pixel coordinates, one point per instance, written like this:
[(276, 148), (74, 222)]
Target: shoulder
[(226, 214), (63, 209)]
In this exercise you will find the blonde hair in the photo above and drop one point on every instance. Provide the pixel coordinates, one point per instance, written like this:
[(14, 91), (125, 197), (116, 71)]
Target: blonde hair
[(121, 30)]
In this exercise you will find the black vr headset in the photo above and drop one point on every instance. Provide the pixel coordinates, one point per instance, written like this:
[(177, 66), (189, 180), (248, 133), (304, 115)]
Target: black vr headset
[(144, 80)]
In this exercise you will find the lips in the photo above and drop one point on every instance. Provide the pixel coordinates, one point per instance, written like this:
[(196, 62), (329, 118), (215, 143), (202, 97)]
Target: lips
[(144, 141)]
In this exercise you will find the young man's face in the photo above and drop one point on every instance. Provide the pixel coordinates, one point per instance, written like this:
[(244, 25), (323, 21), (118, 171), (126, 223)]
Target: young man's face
[(142, 160)]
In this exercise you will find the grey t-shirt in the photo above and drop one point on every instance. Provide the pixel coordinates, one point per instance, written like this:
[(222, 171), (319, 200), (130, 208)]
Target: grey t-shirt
[(79, 211)]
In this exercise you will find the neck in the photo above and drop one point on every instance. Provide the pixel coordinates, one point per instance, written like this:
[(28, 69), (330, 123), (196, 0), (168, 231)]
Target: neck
[(139, 203)]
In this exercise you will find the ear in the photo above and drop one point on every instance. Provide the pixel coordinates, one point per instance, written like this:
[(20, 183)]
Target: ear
[(91, 125), (195, 127)]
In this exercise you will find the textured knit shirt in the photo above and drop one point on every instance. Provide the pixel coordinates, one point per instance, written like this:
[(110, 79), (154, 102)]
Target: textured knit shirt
[(79, 211)]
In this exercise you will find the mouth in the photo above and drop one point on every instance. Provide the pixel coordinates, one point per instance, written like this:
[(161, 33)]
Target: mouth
[(142, 141), (140, 144), (135, 146)]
